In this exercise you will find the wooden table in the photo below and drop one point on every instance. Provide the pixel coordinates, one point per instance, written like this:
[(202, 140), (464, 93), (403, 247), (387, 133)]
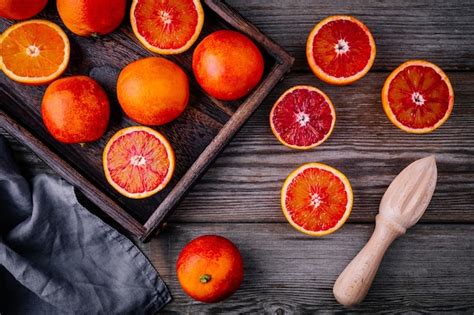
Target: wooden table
[(431, 268)]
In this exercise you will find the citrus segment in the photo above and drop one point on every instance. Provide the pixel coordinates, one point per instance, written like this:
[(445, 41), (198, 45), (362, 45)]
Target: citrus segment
[(138, 162), (316, 199), (303, 117), (418, 97), (34, 52), (168, 26), (340, 50)]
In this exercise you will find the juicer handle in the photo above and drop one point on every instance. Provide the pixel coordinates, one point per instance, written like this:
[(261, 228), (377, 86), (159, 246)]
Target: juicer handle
[(354, 282)]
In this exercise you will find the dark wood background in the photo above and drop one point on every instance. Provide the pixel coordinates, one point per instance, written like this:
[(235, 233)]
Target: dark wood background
[(431, 268)]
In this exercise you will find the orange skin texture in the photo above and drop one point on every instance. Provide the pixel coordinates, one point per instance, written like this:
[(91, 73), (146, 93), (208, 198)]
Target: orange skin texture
[(88, 17), (75, 110), (153, 91), (21, 9), (214, 256), (227, 65)]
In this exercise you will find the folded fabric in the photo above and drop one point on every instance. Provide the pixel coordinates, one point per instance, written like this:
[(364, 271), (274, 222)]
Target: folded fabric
[(58, 258)]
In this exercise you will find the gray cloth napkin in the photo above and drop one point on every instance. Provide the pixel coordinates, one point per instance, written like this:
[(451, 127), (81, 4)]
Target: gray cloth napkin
[(58, 258)]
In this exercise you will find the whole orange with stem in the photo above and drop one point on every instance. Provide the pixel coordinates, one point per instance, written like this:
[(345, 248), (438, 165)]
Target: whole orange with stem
[(21, 9), (153, 91), (91, 17), (227, 65), (210, 268), (75, 110)]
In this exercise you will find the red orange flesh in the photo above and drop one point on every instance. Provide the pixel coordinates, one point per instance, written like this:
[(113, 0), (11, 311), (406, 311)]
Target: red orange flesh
[(418, 97), (138, 162), (340, 50), (303, 117), (169, 26), (316, 199)]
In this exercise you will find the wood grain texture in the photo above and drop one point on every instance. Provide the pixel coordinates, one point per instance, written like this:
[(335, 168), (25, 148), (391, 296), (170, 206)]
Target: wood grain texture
[(437, 30), (289, 272), (197, 136), (244, 183)]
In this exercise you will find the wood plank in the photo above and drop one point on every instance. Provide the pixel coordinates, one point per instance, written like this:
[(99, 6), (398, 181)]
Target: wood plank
[(243, 184), (439, 31), (197, 136), (428, 269)]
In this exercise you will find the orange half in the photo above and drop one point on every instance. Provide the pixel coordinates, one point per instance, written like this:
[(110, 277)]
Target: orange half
[(418, 97), (167, 26), (138, 162), (303, 117), (34, 52), (340, 50), (316, 199)]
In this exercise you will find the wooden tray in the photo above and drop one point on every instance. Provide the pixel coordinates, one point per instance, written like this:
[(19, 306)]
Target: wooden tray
[(197, 136)]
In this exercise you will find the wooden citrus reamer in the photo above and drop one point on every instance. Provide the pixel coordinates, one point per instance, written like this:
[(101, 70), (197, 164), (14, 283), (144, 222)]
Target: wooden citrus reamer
[(402, 205)]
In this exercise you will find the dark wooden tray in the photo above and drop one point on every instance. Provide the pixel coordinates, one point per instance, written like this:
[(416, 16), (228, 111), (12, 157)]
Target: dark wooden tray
[(197, 136)]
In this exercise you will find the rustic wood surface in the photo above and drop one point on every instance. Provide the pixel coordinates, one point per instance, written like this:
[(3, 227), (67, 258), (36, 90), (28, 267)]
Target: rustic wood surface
[(430, 269), (197, 136)]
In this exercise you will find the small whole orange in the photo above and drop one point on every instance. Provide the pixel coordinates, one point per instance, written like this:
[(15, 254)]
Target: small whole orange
[(75, 110), (21, 9), (91, 17), (153, 91), (227, 65), (210, 268)]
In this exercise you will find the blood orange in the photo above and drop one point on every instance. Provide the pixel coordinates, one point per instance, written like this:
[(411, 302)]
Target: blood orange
[(316, 199), (418, 97), (138, 162), (75, 110), (303, 117), (340, 50), (91, 17), (34, 52), (21, 9), (167, 27), (210, 268)]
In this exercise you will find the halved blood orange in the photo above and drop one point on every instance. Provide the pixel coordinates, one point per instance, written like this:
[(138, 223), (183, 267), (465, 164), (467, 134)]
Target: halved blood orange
[(316, 199), (138, 162), (418, 97), (340, 50), (303, 117), (34, 52), (167, 26)]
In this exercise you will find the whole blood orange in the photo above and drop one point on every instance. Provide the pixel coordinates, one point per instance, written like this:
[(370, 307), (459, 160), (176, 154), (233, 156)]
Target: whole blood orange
[(153, 91), (138, 162), (340, 50), (418, 97), (75, 110), (227, 65), (316, 199), (167, 27), (21, 9), (303, 117), (210, 268), (34, 52), (91, 17)]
